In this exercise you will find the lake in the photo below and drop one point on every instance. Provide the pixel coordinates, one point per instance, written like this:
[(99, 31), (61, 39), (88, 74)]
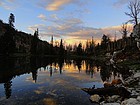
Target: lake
[(52, 81)]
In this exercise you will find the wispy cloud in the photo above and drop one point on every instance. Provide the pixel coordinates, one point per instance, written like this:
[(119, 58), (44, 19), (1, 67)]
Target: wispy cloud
[(1, 3), (42, 17), (7, 4), (54, 16), (63, 25), (40, 26), (75, 34), (120, 3), (55, 5)]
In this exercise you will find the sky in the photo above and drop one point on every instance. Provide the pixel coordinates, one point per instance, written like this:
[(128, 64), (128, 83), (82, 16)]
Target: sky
[(73, 21)]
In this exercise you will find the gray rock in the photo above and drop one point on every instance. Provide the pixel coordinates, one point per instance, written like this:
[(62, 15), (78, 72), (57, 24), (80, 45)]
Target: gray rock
[(137, 75), (138, 98), (130, 101), (108, 99), (114, 98), (95, 98)]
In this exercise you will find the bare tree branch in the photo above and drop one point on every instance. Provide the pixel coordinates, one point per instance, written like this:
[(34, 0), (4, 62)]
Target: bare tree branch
[(134, 7)]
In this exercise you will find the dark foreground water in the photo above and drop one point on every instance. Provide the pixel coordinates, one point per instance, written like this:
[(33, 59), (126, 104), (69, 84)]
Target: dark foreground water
[(51, 81)]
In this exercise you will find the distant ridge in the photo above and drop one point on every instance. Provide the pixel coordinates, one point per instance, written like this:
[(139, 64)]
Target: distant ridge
[(14, 42)]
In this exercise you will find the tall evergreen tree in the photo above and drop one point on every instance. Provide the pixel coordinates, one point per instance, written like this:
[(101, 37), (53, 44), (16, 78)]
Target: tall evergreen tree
[(51, 41), (124, 31), (61, 48), (92, 45), (51, 50), (11, 20), (79, 49), (104, 42), (34, 43)]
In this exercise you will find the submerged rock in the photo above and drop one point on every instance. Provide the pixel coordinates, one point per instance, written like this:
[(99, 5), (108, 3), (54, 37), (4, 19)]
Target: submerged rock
[(95, 98)]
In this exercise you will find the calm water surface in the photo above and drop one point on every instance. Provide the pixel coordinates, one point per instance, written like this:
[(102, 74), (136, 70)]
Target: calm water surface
[(50, 81)]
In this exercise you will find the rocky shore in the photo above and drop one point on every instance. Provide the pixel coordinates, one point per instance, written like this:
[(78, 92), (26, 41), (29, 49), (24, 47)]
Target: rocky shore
[(132, 84)]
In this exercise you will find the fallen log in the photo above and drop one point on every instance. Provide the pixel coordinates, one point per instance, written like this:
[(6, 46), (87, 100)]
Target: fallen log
[(108, 91)]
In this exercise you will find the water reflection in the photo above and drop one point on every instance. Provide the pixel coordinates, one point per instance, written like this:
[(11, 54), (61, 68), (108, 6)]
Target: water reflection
[(8, 90), (60, 63), (109, 72), (78, 63), (92, 67), (12, 67)]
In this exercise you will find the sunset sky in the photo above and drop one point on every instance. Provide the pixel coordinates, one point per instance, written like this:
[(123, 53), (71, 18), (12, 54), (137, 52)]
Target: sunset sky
[(71, 20)]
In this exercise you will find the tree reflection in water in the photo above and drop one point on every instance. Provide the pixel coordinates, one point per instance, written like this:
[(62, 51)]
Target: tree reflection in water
[(78, 63), (109, 72), (90, 67), (8, 90), (12, 67), (60, 63)]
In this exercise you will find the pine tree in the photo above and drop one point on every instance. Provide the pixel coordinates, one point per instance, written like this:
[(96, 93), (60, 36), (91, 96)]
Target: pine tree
[(61, 48), (11, 20)]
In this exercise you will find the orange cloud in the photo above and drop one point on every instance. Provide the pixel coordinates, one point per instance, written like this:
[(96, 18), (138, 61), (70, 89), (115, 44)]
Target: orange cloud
[(129, 26), (73, 40), (56, 4), (78, 40), (71, 31), (116, 30)]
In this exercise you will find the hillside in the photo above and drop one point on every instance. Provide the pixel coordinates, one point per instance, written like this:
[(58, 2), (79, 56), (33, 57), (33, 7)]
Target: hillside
[(13, 41)]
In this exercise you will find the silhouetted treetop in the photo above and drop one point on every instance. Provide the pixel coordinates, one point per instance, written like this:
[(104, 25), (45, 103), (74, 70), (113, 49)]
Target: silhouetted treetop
[(105, 39), (79, 49), (51, 41), (36, 34), (61, 48), (11, 20), (124, 30)]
